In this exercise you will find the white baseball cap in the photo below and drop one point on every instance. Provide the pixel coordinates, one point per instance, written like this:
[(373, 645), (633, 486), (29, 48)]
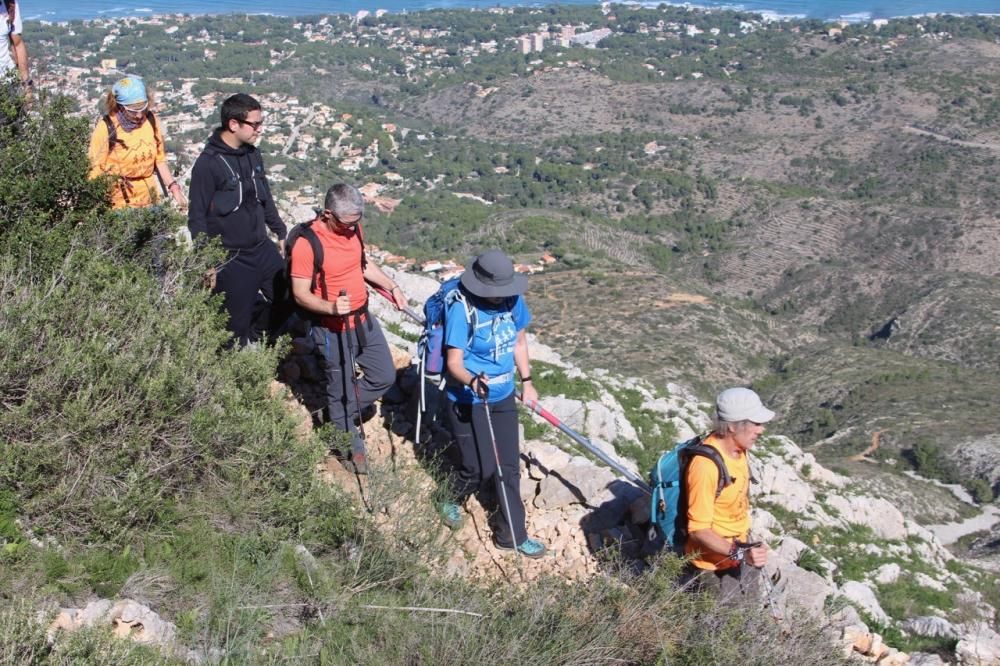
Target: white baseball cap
[(741, 404)]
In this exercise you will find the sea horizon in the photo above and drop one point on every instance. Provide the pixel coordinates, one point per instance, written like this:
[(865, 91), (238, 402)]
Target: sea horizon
[(829, 10)]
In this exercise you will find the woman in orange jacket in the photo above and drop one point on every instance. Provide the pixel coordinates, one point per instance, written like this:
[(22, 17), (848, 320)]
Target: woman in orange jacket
[(127, 144)]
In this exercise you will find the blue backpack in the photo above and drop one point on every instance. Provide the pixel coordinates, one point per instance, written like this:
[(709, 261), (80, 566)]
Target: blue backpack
[(430, 347), (668, 505)]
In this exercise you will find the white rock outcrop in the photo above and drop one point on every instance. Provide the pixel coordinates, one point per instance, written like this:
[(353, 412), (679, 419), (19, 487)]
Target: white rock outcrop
[(863, 596), (930, 626), (978, 646)]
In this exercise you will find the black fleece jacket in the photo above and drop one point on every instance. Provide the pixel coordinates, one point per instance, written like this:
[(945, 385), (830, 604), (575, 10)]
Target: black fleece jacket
[(230, 196)]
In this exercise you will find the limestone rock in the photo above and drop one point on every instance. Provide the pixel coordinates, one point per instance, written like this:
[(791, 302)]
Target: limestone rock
[(138, 622), (864, 596), (979, 646), (587, 479), (924, 659), (400, 359), (887, 573), (893, 657), (777, 477), (926, 581), (571, 412), (529, 488), (554, 492), (930, 626), (544, 353), (606, 420), (881, 516), (126, 618), (545, 457), (799, 590)]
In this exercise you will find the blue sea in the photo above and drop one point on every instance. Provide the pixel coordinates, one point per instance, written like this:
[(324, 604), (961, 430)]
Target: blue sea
[(851, 10)]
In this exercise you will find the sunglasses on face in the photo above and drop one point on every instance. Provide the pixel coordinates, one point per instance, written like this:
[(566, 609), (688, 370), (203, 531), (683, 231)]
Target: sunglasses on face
[(256, 125), (348, 221), (136, 109)]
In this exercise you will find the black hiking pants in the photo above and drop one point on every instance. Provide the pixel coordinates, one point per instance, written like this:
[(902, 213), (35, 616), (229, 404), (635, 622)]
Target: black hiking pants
[(250, 280), (478, 463), (374, 360), (733, 586)]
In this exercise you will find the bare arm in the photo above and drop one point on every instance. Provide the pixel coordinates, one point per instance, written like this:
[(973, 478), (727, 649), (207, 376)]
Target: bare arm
[(523, 365), (375, 276), (21, 56), (455, 364), (301, 291), (169, 182)]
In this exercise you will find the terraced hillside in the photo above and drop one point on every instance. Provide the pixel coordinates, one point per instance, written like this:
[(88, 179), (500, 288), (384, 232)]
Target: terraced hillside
[(855, 182)]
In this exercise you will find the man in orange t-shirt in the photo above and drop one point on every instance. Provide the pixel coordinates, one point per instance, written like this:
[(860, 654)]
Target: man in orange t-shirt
[(345, 328), (719, 526)]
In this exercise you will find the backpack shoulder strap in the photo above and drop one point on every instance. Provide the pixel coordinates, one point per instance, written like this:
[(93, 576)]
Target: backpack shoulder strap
[(700, 449), (361, 238), (151, 117), (113, 139), (318, 276)]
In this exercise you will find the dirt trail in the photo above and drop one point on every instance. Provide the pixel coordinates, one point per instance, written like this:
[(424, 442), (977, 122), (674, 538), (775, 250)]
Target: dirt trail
[(909, 129), (949, 533)]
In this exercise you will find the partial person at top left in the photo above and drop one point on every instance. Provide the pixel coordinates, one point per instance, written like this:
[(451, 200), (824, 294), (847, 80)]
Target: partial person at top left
[(14, 73), (127, 144)]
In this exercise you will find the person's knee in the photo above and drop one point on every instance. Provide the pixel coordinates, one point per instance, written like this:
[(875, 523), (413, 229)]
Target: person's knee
[(381, 375)]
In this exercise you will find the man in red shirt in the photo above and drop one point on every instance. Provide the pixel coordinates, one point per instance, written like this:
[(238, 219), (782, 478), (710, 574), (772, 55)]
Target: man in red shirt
[(344, 328)]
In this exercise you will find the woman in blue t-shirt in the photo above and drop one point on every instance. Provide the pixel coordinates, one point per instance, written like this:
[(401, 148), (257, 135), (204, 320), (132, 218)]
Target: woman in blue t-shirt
[(484, 342)]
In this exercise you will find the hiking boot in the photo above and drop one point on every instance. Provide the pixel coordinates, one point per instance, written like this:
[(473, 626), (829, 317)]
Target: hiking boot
[(451, 515), (359, 456), (530, 548)]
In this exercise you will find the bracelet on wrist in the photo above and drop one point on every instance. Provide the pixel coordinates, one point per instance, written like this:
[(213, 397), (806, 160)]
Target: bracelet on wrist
[(525, 380)]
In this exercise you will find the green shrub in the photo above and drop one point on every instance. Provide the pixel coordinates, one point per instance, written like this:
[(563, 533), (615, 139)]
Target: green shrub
[(810, 560), (980, 489)]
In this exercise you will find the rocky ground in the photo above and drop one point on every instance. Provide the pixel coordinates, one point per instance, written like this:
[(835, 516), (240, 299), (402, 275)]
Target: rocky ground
[(837, 548)]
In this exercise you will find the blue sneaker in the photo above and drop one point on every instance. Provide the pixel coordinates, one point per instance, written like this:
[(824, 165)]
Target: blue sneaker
[(532, 548), (451, 515), (529, 548)]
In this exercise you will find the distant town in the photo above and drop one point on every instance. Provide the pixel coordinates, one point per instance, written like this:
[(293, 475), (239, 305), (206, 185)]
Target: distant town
[(310, 131)]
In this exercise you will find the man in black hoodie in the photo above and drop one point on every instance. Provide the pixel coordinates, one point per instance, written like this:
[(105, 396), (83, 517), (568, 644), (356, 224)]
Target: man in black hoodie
[(230, 197)]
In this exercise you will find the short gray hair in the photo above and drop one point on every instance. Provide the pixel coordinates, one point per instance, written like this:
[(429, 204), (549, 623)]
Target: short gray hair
[(722, 428), (344, 200)]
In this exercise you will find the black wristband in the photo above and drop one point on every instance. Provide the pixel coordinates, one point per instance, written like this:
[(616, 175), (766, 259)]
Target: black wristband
[(525, 380)]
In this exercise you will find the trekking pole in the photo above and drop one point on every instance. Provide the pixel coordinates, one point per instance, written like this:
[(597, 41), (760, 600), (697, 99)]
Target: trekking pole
[(586, 443), (496, 456), (553, 420), (406, 309), (769, 594), (740, 559), (357, 395)]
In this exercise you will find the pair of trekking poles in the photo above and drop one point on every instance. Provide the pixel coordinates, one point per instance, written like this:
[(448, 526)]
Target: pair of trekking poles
[(534, 407)]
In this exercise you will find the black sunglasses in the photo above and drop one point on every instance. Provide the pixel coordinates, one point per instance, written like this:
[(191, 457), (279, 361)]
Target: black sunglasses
[(255, 125)]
